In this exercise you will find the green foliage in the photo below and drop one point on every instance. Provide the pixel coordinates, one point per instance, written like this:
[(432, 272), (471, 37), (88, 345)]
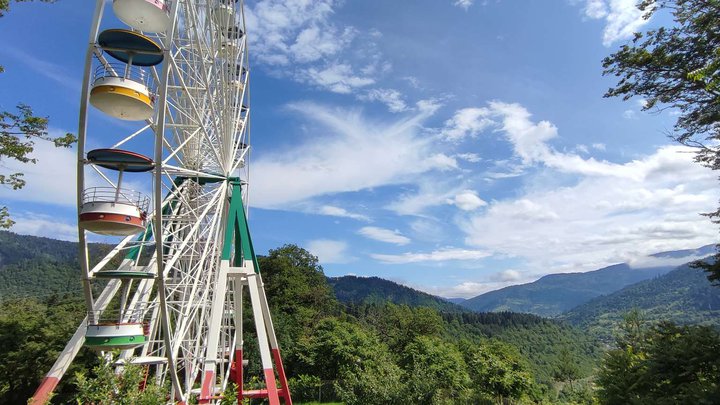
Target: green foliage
[(110, 386), (295, 283), (435, 372), (305, 387), (368, 353), (498, 370), (398, 325), (663, 364), (33, 334), (355, 358)]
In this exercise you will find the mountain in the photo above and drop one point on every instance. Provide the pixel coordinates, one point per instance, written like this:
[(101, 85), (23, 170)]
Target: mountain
[(683, 295), (458, 301), (37, 266), (40, 267), (554, 294), (368, 290), (704, 251)]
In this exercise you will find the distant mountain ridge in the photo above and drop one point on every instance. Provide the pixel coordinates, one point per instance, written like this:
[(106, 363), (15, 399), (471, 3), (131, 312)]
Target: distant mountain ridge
[(683, 295), (554, 294), (367, 290)]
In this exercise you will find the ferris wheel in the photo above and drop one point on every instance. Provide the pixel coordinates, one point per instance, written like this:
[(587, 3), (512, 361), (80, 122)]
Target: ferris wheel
[(169, 295)]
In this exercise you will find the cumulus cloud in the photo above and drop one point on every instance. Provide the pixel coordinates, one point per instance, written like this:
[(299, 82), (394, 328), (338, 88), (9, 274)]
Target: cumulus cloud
[(604, 218), (51, 180), (330, 251), (467, 200), (507, 275), (297, 39), (350, 153), (441, 255), (384, 235), (467, 122), (622, 18)]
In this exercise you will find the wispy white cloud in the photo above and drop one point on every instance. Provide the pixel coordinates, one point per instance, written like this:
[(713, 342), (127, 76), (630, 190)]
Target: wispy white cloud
[(442, 255), (40, 224), (352, 152), (390, 97), (470, 157), (330, 251), (342, 212), (335, 77), (384, 235), (50, 70), (463, 3)]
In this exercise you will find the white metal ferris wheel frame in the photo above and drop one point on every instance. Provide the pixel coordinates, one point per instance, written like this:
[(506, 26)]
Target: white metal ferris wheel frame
[(201, 145)]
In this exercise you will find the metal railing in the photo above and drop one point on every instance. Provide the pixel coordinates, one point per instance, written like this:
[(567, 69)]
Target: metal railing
[(127, 72), (117, 196), (117, 317)]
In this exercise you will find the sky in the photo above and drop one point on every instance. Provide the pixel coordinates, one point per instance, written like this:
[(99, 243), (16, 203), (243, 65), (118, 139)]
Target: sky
[(454, 146)]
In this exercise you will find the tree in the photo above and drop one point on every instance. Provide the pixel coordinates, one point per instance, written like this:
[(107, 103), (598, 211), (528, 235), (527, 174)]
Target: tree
[(435, 372), (295, 283), (356, 359), (678, 67), (108, 386), (18, 132), (663, 364), (33, 334), (498, 370)]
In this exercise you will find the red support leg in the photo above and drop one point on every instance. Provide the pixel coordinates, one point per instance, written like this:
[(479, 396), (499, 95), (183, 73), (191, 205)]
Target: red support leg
[(207, 386), (284, 390), (239, 373), (43, 392), (271, 387)]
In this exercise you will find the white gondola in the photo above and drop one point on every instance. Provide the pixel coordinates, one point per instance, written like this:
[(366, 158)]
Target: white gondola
[(125, 90), (114, 210), (144, 15), (110, 336)]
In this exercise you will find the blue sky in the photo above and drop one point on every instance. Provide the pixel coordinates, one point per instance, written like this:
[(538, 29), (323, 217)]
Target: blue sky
[(455, 146)]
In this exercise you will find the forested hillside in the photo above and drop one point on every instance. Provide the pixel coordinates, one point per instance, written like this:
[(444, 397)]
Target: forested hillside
[(40, 267), (556, 293), (371, 290), (684, 296), (37, 266)]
